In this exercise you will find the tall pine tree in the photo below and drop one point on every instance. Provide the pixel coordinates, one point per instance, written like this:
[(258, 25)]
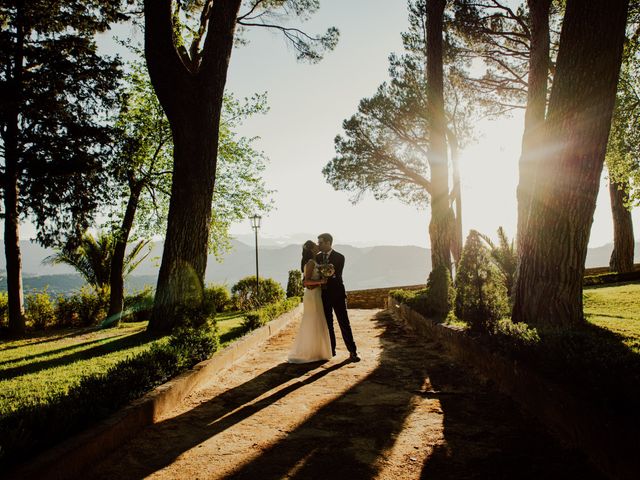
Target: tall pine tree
[(55, 93)]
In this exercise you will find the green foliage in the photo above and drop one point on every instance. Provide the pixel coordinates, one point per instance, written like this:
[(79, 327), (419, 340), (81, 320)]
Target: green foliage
[(138, 307), (144, 161), (218, 297), (504, 257), (4, 309), (39, 310), (294, 284), (34, 426), (53, 104), (257, 318), (244, 293), (481, 298), (92, 257), (440, 295), (623, 150), (87, 307)]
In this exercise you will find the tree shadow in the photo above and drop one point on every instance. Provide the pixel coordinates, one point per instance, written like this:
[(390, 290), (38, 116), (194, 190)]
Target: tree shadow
[(486, 436), (233, 334), (61, 349), (348, 437), (47, 336), (225, 410), (99, 350)]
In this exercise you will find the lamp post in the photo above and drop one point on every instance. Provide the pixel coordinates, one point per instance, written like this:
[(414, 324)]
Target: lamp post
[(255, 224)]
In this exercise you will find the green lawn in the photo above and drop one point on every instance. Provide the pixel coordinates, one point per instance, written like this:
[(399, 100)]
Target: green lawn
[(51, 362), (617, 309), (229, 327), (42, 365)]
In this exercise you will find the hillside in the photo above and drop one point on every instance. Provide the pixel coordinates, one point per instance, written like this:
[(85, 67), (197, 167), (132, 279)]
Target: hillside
[(366, 267)]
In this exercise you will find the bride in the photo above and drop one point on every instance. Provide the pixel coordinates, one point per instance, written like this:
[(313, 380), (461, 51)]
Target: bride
[(312, 342)]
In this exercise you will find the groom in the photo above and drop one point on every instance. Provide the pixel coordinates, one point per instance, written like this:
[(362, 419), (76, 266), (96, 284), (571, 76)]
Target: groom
[(334, 297)]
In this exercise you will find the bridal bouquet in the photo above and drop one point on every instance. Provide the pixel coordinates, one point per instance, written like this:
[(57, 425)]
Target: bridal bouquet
[(326, 270)]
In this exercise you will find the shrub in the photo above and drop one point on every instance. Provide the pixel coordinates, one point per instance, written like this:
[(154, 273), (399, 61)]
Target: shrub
[(481, 297), (244, 293), (218, 297), (440, 295), (35, 426), (294, 284), (262, 316), (92, 305), (138, 307), (4, 309), (39, 310), (85, 308)]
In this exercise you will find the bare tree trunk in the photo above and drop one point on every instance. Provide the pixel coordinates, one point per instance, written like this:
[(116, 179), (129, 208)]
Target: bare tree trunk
[(440, 225), (535, 113), (116, 280), (623, 241), (456, 240), (11, 188), (191, 95), (552, 256)]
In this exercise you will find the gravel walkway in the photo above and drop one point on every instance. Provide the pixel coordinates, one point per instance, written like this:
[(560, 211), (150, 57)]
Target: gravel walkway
[(406, 411)]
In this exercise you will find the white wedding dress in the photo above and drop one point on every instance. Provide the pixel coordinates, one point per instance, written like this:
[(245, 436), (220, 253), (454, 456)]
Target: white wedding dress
[(312, 342)]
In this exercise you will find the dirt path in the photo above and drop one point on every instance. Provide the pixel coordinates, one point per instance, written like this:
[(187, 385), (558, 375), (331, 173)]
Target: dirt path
[(404, 412)]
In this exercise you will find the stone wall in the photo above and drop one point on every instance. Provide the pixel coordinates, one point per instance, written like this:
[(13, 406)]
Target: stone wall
[(610, 445), (374, 298)]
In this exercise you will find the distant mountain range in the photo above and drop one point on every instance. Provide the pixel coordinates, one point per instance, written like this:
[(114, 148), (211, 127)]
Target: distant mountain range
[(366, 267)]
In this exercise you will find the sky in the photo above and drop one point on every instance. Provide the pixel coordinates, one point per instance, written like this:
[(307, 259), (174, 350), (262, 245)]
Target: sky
[(307, 106)]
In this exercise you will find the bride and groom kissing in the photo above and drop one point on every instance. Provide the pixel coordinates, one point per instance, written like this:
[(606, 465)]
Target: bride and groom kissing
[(324, 294)]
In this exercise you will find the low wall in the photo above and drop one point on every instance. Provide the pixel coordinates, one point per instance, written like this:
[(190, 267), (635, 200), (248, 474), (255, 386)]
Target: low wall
[(375, 297), (613, 448), (601, 270)]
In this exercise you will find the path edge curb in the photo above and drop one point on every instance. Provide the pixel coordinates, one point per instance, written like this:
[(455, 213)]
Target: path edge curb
[(67, 459)]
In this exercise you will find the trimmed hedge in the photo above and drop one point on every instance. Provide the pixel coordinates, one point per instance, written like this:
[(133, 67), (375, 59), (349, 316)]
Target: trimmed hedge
[(257, 318), (606, 278), (36, 426)]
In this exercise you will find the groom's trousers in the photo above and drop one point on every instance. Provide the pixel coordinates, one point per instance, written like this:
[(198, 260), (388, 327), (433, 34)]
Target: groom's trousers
[(336, 302)]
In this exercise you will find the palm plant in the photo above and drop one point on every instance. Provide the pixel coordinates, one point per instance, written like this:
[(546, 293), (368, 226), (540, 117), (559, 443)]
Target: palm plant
[(92, 258), (505, 257)]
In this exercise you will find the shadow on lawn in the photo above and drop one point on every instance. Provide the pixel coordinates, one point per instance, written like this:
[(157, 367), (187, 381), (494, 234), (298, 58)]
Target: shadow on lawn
[(106, 347)]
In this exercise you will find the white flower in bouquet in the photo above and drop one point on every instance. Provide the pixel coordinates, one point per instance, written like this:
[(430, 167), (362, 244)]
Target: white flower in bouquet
[(327, 270)]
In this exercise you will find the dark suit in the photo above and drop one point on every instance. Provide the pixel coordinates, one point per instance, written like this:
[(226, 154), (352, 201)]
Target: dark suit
[(334, 299)]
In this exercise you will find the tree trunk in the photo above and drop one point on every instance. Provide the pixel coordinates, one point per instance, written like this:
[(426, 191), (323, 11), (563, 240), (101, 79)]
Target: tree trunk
[(535, 113), (440, 231), (11, 188), (456, 239), (552, 256), (623, 241), (116, 280), (191, 96)]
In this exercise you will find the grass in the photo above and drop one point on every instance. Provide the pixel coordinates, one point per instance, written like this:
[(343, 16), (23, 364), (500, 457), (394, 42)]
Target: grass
[(229, 327), (616, 309), (43, 365)]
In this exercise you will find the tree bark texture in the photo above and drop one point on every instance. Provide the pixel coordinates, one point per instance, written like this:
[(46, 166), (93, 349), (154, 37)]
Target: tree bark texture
[(623, 241), (440, 226), (11, 188), (191, 96), (535, 112), (116, 279), (456, 240), (552, 255)]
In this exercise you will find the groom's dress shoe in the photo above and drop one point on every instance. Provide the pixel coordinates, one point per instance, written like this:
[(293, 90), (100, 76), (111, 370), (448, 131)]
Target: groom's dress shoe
[(354, 357)]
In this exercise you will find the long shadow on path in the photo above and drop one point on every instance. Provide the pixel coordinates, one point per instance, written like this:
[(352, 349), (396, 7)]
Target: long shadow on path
[(483, 435)]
